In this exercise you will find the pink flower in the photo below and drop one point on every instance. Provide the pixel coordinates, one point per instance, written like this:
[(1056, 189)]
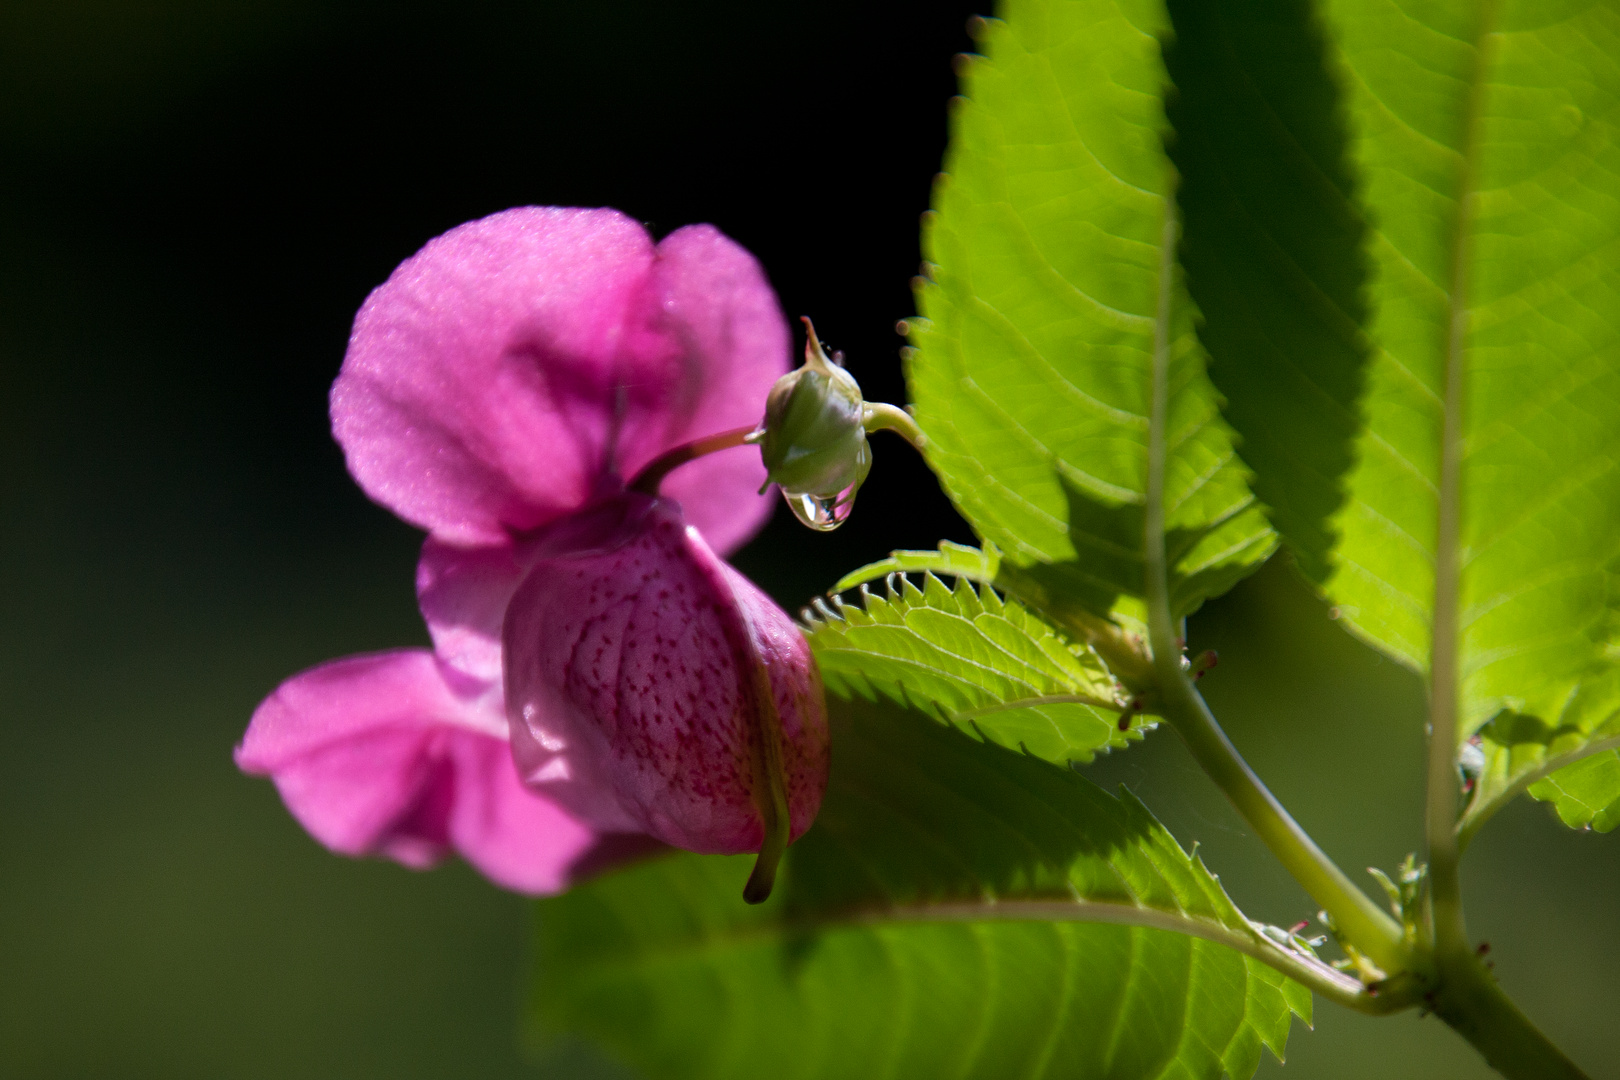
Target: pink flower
[(499, 391)]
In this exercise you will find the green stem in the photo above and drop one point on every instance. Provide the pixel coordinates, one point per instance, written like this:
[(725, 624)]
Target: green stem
[(1474, 1006), (881, 416), (1465, 995), (1444, 786), (1361, 922), (647, 480)]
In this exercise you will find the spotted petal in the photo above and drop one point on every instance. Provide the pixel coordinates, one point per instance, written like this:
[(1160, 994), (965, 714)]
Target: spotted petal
[(652, 687)]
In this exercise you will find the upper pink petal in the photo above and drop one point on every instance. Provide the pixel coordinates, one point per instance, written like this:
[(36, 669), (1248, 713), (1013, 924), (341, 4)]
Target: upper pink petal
[(713, 298), (520, 364), (476, 393), (381, 754)]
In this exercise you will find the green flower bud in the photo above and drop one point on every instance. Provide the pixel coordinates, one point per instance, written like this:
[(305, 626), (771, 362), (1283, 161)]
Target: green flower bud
[(813, 437)]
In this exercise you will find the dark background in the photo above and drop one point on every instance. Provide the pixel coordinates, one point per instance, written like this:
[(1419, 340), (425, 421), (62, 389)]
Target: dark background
[(195, 196)]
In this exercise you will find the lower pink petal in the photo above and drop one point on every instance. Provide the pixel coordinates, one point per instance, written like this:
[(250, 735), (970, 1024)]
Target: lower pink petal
[(632, 680), (519, 841), (382, 754)]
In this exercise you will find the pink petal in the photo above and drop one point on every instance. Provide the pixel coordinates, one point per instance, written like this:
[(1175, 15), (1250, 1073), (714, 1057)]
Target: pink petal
[(721, 306), (631, 678), (380, 754), (463, 593), (520, 364), (458, 402)]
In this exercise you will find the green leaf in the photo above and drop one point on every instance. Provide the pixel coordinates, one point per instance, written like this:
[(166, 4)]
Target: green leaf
[(957, 910), (1032, 371), (1481, 141), (956, 560), (1586, 793), (1273, 240), (986, 664), (1525, 753), (1488, 140)]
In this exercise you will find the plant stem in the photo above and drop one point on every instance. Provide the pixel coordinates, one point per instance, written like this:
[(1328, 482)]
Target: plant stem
[(647, 480), (1474, 1006), (1365, 925), (1444, 790), (1360, 921), (881, 416), (1444, 785)]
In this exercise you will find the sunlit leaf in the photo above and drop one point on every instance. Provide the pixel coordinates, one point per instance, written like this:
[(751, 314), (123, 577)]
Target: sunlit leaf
[(1465, 211), (1032, 372), (956, 560), (957, 910), (1488, 141), (973, 659)]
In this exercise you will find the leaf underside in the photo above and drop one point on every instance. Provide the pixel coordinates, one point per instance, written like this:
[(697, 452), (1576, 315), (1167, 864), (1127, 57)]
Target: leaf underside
[(973, 659), (1520, 749), (1498, 124), (1273, 240), (1032, 365), (894, 946), (1449, 177)]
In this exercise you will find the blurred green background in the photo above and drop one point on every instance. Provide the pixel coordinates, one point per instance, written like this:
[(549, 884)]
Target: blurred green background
[(195, 196)]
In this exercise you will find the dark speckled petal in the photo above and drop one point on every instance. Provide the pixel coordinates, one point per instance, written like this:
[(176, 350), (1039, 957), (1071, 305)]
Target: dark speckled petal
[(632, 682)]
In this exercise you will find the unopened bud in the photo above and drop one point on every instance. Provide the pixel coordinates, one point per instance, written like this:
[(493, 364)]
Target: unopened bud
[(813, 437)]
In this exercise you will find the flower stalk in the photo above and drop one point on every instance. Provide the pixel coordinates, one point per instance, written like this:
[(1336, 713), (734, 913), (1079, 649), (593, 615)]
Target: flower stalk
[(652, 474), (770, 792)]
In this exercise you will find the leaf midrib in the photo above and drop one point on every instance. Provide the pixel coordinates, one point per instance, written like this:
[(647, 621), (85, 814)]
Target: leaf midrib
[(1445, 706), (987, 910), (1445, 621)]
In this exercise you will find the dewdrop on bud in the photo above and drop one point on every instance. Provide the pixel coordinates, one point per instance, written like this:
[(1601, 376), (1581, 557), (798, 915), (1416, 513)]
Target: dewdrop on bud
[(813, 436), (813, 439)]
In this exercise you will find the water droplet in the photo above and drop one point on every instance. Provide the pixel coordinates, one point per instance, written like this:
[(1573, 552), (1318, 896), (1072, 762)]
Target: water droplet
[(822, 513)]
